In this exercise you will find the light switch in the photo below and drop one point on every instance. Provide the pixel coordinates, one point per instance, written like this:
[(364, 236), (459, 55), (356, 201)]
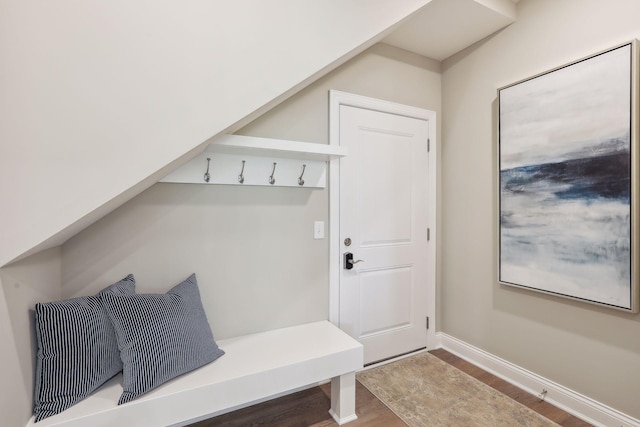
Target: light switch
[(318, 230)]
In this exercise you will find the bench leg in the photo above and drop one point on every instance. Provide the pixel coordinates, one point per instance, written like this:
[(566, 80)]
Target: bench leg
[(343, 398)]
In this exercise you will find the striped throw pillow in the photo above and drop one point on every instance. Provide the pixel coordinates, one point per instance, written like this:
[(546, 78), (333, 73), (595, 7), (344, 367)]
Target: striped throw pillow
[(161, 336), (77, 349)]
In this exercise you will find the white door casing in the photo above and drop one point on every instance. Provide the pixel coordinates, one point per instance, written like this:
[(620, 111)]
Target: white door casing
[(387, 209)]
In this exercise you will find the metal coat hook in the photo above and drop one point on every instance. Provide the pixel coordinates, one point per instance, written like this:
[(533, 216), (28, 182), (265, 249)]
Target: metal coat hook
[(241, 176), (271, 178), (300, 180), (207, 175)]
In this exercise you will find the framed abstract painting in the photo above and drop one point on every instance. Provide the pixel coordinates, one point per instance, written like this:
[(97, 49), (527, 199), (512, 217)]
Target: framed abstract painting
[(568, 180)]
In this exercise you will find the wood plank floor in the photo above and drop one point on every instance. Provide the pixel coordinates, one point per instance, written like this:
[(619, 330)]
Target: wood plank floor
[(309, 408)]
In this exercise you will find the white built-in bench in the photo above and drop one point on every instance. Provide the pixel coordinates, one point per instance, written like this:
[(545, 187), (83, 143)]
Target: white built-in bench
[(254, 368)]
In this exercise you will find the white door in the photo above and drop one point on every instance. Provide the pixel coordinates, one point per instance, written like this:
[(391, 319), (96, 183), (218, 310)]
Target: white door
[(384, 223)]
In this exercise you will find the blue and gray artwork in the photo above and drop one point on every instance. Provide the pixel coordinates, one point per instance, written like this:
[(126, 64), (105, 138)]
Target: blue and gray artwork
[(565, 187)]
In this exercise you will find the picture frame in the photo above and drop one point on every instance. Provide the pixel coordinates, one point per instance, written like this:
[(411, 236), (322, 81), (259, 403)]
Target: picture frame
[(568, 180)]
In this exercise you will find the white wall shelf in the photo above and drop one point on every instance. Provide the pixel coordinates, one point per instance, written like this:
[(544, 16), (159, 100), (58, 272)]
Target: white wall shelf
[(297, 164), (240, 144)]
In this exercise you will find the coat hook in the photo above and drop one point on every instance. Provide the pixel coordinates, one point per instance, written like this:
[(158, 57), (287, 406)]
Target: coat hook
[(300, 180), (241, 176), (271, 178), (207, 176)]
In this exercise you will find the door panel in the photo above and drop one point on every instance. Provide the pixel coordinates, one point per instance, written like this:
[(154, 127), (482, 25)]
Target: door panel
[(387, 295), (384, 212), (391, 199)]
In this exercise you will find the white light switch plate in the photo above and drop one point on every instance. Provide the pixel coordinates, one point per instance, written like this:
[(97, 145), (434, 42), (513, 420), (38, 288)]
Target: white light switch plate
[(318, 230)]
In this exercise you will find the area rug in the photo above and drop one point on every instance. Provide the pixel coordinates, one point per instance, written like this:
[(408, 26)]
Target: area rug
[(424, 391)]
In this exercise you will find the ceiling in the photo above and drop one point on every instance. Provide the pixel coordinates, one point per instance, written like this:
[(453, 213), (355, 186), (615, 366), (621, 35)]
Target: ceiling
[(445, 27)]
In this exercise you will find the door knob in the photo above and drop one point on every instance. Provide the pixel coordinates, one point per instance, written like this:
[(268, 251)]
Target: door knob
[(349, 262)]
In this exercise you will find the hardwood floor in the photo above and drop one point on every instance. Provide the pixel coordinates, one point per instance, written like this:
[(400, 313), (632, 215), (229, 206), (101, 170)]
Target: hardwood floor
[(310, 407), (307, 408)]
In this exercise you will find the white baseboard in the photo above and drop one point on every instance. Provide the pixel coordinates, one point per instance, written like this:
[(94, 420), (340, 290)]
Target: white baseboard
[(570, 401)]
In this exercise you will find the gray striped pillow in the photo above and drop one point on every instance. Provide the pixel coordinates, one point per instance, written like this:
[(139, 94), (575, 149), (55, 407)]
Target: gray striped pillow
[(77, 350), (161, 336)]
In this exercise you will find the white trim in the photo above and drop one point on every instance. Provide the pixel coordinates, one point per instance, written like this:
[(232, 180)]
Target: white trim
[(336, 99), (581, 406), (393, 359)]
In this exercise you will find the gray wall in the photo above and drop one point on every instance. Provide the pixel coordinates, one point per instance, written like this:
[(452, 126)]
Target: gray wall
[(241, 241), (592, 350), (252, 248)]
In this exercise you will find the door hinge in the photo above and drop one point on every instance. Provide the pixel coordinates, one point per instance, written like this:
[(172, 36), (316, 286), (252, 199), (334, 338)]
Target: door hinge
[(427, 322), (428, 145), (428, 234)]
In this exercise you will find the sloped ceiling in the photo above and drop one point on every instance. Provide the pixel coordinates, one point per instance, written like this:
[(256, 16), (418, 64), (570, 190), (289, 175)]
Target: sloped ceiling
[(444, 27), (100, 100)]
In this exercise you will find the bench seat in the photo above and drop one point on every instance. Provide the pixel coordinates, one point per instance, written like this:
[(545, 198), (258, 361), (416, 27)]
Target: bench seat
[(254, 368)]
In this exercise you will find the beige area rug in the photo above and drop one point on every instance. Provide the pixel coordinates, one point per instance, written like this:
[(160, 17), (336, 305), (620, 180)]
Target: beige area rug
[(425, 391)]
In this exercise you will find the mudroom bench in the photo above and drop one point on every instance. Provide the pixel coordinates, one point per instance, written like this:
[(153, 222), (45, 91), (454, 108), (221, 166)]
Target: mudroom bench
[(255, 368)]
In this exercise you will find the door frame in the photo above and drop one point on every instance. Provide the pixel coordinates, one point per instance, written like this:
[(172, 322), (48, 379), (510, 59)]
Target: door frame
[(337, 99)]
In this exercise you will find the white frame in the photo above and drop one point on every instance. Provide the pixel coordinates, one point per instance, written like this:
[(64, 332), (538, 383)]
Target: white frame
[(336, 99), (634, 128)]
